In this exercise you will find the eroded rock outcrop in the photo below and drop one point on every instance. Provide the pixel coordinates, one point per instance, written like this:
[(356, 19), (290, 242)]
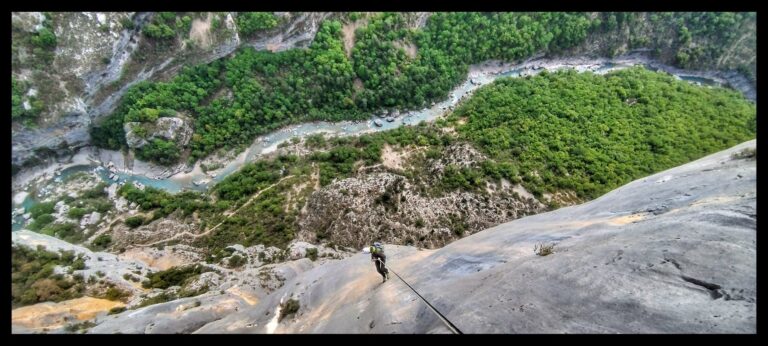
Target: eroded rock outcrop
[(173, 129)]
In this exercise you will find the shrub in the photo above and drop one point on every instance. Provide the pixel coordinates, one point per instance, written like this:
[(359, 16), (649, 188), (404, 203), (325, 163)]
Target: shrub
[(42, 208), (316, 141), (127, 23), (161, 298), (748, 153), (76, 327), (114, 293), (65, 231), (184, 293), (134, 221), (76, 213), (175, 276), (102, 241), (236, 261), (95, 192), (543, 250), (116, 310), (78, 264), (102, 205), (312, 254), (44, 38), (289, 308), (40, 222)]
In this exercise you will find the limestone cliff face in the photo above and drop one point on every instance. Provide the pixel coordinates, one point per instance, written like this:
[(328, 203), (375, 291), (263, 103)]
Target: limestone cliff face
[(673, 252), (99, 56), (92, 48)]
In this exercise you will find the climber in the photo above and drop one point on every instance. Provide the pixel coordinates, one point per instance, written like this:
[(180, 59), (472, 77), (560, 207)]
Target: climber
[(379, 258)]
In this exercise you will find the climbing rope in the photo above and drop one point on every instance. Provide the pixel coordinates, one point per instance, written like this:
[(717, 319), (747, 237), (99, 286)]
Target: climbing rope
[(445, 320)]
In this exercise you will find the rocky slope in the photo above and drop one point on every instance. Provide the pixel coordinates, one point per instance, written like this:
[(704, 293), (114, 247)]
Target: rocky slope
[(386, 206), (228, 289), (670, 253)]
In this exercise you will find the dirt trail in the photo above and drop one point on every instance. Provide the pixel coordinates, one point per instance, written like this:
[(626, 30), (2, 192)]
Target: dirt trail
[(193, 235)]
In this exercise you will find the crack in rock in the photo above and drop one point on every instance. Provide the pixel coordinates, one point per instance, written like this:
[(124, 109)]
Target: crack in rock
[(714, 289)]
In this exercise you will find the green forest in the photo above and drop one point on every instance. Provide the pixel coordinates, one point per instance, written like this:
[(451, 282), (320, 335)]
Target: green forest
[(564, 131), (590, 134), (270, 90), (573, 135)]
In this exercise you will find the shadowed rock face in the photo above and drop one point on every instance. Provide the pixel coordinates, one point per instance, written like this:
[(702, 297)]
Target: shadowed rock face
[(671, 253)]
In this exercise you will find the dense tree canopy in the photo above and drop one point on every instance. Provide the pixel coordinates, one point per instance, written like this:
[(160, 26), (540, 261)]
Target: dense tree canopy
[(590, 134), (167, 25), (249, 23)]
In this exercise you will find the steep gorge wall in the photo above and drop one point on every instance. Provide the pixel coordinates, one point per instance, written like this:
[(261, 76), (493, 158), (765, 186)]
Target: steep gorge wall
[(79, 87)]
